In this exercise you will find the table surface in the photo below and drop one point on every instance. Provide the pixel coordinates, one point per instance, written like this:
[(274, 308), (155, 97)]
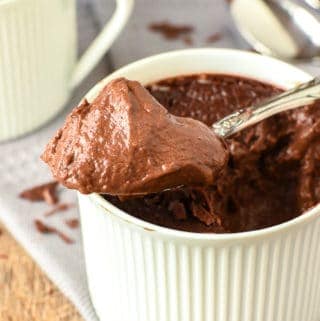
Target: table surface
[(26, 294)]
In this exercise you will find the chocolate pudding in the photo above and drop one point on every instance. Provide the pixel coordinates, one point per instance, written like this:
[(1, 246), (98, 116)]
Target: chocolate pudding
[(272, 174)]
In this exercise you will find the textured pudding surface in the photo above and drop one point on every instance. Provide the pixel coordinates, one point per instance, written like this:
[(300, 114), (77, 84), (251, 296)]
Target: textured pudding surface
[(273, 172)]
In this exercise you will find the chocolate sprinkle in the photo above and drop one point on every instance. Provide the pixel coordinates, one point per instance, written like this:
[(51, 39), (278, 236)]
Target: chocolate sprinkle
[(59, 208), (169, 30), (45, 192), (72, 223), (46, 229)]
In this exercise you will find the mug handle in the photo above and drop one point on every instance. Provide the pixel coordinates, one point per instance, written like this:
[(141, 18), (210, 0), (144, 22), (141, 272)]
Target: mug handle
[(102, 42)]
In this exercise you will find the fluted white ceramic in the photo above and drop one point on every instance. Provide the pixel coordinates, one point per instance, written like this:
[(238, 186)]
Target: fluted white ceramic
[(38, 66), (138, 271)]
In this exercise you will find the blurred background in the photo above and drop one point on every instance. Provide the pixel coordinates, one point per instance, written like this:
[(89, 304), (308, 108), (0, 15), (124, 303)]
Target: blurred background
[(206, 18)]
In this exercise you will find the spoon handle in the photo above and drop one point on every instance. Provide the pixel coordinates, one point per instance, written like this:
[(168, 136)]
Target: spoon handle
[(301, 95)]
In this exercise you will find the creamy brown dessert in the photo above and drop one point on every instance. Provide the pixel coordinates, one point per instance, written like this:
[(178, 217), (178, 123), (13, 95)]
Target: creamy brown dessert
[(125, 143), (273, 174), (271, 177)]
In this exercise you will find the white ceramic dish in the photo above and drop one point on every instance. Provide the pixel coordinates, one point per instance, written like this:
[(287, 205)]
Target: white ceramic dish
[(38, 68), (139, 271)]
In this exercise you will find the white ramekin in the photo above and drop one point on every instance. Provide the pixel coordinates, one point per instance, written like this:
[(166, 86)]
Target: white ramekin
[(138, 271)]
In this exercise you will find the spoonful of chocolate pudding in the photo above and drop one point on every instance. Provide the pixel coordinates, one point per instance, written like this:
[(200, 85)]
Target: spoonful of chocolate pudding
[(125, 143)]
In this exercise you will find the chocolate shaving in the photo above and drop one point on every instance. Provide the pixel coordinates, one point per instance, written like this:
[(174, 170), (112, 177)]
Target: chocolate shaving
[(178, 210), (42, 228), (214, 37), (170, 31), (46, 192), (59, 208), (64, 237), (46, 229), (202, 214), (72, 223), (204, 210), (49, 197)]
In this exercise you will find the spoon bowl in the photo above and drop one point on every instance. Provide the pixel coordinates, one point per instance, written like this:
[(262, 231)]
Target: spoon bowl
[(279, 28), (313, 3)]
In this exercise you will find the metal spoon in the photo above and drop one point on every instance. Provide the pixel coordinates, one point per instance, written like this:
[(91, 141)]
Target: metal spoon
[(301, 95), (280, 28), (313, 3)]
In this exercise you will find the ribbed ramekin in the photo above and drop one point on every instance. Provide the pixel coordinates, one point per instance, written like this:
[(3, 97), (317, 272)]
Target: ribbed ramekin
[(138, 271)]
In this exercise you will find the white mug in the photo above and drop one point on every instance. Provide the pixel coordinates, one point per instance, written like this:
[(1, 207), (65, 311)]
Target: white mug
[(38, 68), (140, 271)]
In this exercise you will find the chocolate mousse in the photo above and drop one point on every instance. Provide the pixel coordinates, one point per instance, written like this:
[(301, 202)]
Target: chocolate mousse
[(125, 143), (273, 174)]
